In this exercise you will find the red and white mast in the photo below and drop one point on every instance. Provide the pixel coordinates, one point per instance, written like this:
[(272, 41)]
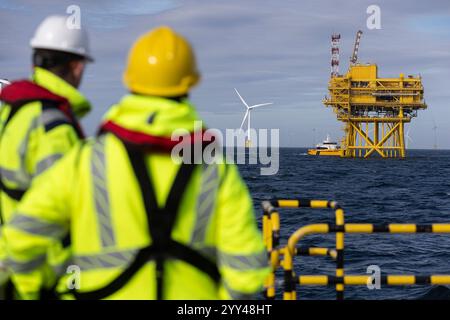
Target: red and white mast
[(335, 54)]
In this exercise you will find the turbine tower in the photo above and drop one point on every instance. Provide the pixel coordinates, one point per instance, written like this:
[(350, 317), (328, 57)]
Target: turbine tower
[(248, 140), (408, 138), (435, 146)]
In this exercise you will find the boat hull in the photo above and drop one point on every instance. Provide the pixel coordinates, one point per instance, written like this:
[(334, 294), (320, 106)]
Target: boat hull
[(333, 153)]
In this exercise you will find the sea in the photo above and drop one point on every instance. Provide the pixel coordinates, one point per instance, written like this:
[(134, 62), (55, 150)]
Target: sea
[(380, 191)]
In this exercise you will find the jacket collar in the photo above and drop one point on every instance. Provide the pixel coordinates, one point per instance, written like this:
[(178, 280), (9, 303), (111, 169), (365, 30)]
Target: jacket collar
[(153, 115), (150, 123), (44, 78)]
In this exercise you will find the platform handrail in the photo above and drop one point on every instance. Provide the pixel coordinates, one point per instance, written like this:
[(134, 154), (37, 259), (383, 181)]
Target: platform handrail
[(271, 238), (321, 228)]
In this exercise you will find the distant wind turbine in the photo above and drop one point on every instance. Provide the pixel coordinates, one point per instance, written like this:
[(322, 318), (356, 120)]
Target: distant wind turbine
[(408, 138), (435, 131), (247, 116), (435, 136)]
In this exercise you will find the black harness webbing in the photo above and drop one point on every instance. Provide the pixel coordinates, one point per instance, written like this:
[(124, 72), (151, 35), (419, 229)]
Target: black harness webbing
[(160, 224), (15, 194)]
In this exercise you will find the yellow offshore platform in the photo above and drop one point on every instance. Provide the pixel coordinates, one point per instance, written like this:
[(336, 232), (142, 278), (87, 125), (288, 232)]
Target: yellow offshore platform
[(374, 110)]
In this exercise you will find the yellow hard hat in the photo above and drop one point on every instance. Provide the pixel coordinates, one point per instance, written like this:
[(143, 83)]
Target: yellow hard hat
[(161, 63)]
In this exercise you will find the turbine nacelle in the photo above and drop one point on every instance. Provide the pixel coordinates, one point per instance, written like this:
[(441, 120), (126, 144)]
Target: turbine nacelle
[(248, 114)]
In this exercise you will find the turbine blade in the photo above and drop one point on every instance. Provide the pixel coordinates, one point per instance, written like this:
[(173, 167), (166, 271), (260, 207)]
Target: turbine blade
[(407, 135), (260, 105), (245, 117), (242, 99)]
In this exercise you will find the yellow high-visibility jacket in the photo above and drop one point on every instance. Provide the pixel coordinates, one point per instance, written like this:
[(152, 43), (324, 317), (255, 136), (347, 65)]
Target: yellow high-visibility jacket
[(94, 194), (33, 140)]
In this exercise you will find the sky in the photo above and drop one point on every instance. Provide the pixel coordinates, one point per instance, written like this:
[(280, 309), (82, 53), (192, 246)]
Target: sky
[(271, 51)]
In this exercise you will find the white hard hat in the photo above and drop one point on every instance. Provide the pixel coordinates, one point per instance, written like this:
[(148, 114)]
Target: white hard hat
[(4, 82), (53, 33)]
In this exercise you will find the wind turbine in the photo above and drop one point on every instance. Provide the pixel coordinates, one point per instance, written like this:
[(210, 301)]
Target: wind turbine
[(247, 116)]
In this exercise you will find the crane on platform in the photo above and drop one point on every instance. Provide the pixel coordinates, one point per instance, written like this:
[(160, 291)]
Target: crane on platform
[(354, 57)]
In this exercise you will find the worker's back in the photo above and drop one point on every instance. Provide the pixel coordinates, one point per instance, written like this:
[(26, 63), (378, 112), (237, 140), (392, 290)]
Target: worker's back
[(39, 124), (34, 135), (35, 132)]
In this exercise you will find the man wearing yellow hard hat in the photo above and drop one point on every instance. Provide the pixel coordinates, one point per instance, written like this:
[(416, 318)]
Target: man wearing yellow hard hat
[(143, 226)]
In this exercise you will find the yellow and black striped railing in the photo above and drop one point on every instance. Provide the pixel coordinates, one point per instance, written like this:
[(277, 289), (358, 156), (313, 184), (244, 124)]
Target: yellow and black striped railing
[(360, 280), (394, 228), (271, 235), (315, 251), (282, 256)]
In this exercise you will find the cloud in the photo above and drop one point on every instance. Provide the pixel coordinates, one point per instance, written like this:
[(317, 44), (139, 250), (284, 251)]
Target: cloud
[(270, 50)]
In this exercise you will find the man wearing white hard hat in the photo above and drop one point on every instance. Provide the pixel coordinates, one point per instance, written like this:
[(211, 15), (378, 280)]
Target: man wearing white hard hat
[(39, 123)]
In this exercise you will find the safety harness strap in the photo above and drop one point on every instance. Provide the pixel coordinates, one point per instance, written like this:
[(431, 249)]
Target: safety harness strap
[(15, 194), (157, 224), (160, 224), (69, 117), (12, 193), (162, 220)]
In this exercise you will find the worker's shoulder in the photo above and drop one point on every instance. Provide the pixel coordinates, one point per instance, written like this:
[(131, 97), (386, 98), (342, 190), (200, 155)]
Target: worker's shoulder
[(25, 114), (36, 113)]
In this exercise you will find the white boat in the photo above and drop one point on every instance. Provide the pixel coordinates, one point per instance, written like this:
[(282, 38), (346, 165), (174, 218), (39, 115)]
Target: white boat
[(326, 148)]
